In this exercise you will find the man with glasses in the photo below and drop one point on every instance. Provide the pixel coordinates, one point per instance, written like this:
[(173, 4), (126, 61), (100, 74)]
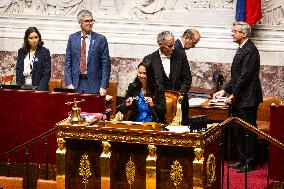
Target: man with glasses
[(170, 66), (87, 62), (188, 40), (244, 93)]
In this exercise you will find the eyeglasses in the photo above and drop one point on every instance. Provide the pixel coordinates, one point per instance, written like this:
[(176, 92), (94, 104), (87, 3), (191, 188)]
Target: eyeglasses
[(236, 31), (89, 21)]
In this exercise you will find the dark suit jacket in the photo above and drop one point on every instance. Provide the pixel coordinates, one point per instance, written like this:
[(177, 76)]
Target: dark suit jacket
[(41, 69), (178, 44), (98, 62), (245, 83), (180, 71), (159, 100)]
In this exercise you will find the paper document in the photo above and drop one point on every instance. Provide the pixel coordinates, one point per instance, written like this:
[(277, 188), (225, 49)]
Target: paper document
[(178, 129), (221, 101), (196, 101)]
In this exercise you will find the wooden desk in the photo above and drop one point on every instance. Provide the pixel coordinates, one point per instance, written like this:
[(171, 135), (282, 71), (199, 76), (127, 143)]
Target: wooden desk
[(27, 114), (213, 113), (119, 157)]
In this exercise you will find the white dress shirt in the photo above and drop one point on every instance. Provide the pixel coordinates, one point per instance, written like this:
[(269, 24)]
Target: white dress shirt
[(166, 61)]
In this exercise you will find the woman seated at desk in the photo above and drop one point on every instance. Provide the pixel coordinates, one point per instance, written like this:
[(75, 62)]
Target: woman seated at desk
[(33, 69), (144, 97)]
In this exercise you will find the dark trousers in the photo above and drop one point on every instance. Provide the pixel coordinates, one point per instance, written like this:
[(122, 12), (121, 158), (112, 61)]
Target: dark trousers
[(245, 139), (185, 109), (83, 85)]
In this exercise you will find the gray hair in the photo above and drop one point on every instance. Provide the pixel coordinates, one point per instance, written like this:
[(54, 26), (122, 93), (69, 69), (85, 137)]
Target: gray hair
[(245, 27), (162, 36), (83, 13)]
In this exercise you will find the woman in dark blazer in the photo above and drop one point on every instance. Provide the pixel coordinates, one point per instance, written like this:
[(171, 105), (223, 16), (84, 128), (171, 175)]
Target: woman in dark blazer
[(144, 97), (33, 67)]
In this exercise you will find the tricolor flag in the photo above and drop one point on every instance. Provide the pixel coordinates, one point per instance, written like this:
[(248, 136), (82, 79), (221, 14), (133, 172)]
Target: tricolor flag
[(248, 11)]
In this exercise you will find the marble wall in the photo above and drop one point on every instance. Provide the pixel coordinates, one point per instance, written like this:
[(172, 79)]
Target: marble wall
[(131, 27), (124, 71)]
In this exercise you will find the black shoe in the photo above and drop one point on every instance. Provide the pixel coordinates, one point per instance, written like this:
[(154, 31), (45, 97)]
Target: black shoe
[(246, 168), (236, 165)]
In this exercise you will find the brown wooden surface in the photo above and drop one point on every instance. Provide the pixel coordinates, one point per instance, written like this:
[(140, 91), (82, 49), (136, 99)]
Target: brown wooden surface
[(213, 113), (126, 143)]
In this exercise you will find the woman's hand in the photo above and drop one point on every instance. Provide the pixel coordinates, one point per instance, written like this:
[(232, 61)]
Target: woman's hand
[(149, 101), (129, 101)]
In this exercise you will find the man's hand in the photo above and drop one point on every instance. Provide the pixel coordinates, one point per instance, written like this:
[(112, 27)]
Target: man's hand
[(230, 99), (103, 91), (219, 94)]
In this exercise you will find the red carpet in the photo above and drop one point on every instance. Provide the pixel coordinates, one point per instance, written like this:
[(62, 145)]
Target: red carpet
[(256, 179)]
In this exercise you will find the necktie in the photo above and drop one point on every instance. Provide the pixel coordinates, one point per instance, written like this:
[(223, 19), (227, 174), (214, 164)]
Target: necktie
[(83, 65), (238, 51)]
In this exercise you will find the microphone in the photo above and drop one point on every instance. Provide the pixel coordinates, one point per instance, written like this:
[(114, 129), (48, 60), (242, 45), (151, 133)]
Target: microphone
[(158, 122)]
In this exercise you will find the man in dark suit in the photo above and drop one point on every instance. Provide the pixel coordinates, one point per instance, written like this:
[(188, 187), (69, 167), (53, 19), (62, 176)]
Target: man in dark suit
[(87, 66), (188, 40), (171, 67), (245, 94)]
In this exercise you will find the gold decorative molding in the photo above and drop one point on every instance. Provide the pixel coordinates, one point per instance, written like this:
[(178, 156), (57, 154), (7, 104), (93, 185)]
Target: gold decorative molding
[(105, 165), (176, 173), (198, 181), (130, 172), (106, 149), (210, 170), (60, 163), (84, 169), (118, 137), (151, 162)]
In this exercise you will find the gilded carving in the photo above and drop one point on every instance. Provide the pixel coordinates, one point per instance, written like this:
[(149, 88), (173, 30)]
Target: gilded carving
[(132, 138), (210, 170), (198, 168), (130, 172), (106, 149), (84, 169), (105, 165), (151, 167), (176, 173)]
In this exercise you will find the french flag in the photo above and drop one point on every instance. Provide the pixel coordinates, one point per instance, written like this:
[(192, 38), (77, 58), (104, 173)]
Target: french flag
[(248, 11)]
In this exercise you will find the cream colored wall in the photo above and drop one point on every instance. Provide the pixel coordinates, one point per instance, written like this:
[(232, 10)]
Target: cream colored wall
[(131, 26)]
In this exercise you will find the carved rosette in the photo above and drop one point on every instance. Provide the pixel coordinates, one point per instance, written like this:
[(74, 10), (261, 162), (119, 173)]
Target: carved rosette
[(176, 173), (210, 170), (84, 169), (130, 172)]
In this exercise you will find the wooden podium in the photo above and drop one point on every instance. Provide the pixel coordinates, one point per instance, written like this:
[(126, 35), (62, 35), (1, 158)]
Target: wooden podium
[(125, 155)]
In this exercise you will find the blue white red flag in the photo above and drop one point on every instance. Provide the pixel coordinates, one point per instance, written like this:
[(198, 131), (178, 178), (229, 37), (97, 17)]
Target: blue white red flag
[(248, 11)]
